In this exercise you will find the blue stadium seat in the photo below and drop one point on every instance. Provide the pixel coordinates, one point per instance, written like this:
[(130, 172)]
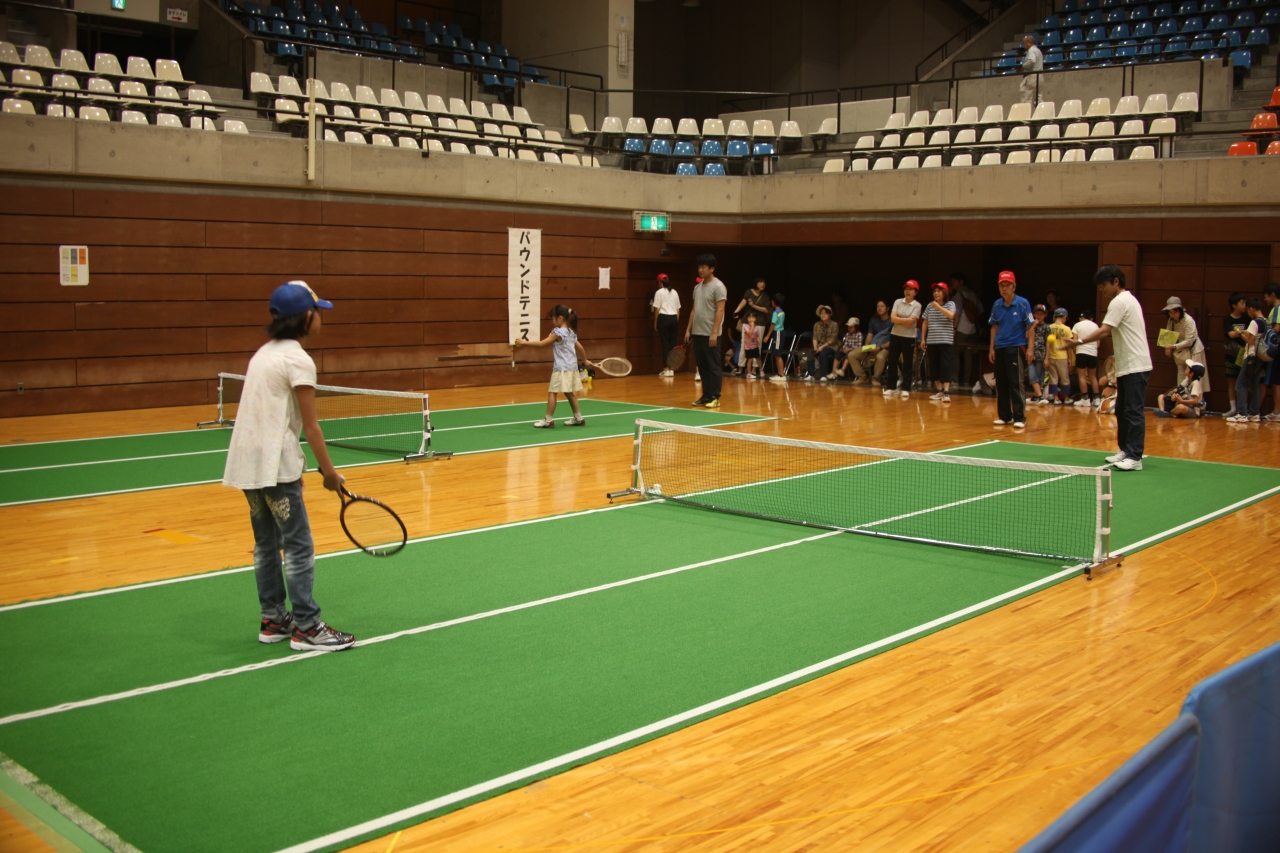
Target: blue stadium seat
[(686, 169), (1117, 16), (1258, 37), (293, 16), (440, 28), (1096, 34), (1237, 4), (404, 23), (1245, 19), (1086, 5), (1178, 44), (1150, 47), (1168, 27), (338, 23), (455, 30), (461, 59), (1072, 20), (660, 147), (358, 26), (1231, 40), (1075, 36), (1242, 59), (1271, 17), (431, 40), (634, 145), (1163, 10), (714, 170), (1007, 62), (301, 32), (316, 18), (1219, 22), (1100, 54), (762, 149), (346, 41), (1052, 58), (1070, 6), (281, 29), (1078, 56), (421, 25), (1202, 43), (712, 148), (737, 148), (1192, 25), (1127, 53), (379, 30), (284, 49), (1119, 32), (273, 12), (483, 47), (499, 50), (1144, 30), (1189, 7), (1051, 39), (1139, 13), (1093, 19), (1209, 6), (685, 148), (323, 37), (1051, 23)]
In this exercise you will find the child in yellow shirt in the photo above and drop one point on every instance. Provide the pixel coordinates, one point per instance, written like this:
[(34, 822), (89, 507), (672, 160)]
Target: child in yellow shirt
[(1057, 365)]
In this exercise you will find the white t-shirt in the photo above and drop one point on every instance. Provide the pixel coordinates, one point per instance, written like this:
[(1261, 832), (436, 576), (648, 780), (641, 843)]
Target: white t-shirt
[(902, 309), (666, 301), (264, 448), (1128, 335), (1082, 329)]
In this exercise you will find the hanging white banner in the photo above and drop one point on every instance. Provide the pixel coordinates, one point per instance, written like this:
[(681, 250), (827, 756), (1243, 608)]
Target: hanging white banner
[(524, 283)]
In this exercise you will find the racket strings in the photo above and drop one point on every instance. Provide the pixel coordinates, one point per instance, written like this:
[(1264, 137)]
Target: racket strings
[(373, 527)]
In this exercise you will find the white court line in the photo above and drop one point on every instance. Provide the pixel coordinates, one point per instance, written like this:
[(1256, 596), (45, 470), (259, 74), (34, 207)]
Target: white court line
[(654, 728), (408, 632), (526, 420), (110, 461)]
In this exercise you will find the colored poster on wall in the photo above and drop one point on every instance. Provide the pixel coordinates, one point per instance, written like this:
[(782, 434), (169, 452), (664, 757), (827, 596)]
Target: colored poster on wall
[(73, 265), (524, 283)]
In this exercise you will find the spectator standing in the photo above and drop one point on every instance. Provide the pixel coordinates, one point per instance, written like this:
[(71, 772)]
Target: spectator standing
[(703, 332), (754, 301), (937, 338), (880, 329), (1249, 383), (1057, 365), (666, 319), (850, 352), (905, 317), (826, 335), (1189, 345), (752, 333), (1087, 361), (1271, 297), (1123, 323), (1011, 325), (1039, 358), (775, 338), (968, 316), (1233, 326), (1032, 65)]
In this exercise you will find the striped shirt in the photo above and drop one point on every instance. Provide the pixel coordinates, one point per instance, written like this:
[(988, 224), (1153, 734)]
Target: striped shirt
[(942, 330)]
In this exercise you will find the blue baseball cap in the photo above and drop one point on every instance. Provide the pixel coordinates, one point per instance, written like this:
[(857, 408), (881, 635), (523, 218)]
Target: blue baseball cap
[(295, 297)]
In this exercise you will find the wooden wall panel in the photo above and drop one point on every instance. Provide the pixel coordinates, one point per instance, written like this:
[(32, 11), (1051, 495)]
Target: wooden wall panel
[(179, 282)]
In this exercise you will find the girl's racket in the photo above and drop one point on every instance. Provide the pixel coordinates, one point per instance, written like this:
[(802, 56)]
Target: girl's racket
[(675, 358), (371, 525), (615, 366)]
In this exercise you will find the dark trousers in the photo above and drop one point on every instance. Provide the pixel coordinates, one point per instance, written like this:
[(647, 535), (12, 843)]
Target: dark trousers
[(708, 361), (668, 327), (900, 348), (940, 363), (1010, 371), (822, 362), (1131, 419)]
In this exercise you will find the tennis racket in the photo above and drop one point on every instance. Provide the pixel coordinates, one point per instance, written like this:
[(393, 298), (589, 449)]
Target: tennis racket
[(371, 525), (615, 366), (675, 358)]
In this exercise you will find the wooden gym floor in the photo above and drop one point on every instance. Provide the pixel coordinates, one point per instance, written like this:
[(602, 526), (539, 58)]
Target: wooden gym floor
[(972, 738)]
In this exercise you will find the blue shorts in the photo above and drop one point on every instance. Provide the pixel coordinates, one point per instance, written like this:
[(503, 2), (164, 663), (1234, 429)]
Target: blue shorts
[(1035, 372)]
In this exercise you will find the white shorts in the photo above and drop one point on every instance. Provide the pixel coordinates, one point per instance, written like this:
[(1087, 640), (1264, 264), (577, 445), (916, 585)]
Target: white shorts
[(565, 381)]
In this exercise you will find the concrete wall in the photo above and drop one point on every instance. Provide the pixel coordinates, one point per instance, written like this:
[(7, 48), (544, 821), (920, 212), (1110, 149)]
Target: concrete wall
[(385, 73), (61, 148), (855, 117)]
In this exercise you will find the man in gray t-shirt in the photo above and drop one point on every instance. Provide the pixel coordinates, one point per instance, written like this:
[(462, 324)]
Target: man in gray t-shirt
[(705, 322)]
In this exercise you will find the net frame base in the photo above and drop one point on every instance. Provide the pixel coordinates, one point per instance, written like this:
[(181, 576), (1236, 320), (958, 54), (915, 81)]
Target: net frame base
[(424, 452), (1102, 477)]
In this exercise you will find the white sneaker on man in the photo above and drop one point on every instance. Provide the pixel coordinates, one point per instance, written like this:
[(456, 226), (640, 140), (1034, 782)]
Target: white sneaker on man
[(999, 422), (1082, 403), (889, 392), (1117, 457), (1127, 464), (697, 376), (904, 394), (1019, 425)]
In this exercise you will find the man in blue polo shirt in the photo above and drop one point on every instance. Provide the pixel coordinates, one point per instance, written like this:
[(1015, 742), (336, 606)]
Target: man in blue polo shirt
[(1011, 329)]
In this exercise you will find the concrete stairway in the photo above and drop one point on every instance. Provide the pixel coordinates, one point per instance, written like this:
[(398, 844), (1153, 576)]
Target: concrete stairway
[(237, 107), (1246, 102)]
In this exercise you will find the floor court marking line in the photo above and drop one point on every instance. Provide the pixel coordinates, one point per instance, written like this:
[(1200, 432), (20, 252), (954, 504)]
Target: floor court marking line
[(1207, 517), (109, 461), (517, 423), (625, 738), (408, 632), (197, 430)]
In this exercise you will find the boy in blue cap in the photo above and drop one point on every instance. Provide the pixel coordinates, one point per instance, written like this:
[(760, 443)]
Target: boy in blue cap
[(265, 460)]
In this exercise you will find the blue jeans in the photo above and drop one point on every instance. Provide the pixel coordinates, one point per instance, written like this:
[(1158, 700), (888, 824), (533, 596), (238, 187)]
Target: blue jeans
[(1035, 374), (279, 519), (1249, 388)]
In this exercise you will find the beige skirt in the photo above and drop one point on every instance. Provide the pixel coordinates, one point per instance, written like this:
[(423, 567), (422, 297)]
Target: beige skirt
[(565, 381)]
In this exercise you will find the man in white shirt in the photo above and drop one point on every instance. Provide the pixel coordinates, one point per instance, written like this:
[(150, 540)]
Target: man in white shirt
[(666, 319), (1032, 65), (1128, 333)]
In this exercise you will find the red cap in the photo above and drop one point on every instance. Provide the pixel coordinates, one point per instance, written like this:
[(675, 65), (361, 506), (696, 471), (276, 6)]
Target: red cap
[(912, 283), (698, 280), (662, 277), (1007, 276), (943, 287)]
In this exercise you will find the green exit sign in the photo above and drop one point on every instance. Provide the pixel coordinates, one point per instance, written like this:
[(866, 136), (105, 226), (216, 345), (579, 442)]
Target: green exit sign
[(651, 221), (118, 5)]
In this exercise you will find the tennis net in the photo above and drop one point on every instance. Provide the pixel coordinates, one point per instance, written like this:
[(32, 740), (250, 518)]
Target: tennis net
[(393, 422), (1054, 511)]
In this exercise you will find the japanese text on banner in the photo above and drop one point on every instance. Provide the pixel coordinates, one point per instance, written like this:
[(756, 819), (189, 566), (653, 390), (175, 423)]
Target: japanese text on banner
[(524, 283)]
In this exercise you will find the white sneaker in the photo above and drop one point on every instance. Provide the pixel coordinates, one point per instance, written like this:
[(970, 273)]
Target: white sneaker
[(824, 379), (751, 376), (808, 378), (1272, 417), (697, 376), (945, 398), (937, 395), (1082, 403), (1043, 401), (999, 422), (1019, 425), (1116, 457), (904, 394), (1253, 419), (889, 392), (1128, 464)]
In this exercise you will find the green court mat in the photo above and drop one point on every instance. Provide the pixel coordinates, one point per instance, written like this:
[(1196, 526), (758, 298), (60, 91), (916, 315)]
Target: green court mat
[(59, 470), (493, 658)]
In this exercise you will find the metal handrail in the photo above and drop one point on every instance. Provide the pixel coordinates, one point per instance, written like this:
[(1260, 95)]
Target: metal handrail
[(961, 38)]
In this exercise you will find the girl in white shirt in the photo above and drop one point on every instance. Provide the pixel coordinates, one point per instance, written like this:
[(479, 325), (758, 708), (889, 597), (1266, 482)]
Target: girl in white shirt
[(565, 377), (1087, 362), (666, 319), (265, 460)]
